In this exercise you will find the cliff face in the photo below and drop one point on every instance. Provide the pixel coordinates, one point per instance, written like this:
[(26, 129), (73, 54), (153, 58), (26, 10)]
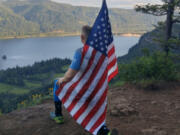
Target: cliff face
[(131, 110), (148, 40)]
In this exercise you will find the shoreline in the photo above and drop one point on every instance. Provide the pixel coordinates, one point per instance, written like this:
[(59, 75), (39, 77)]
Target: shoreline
[(43, 35)]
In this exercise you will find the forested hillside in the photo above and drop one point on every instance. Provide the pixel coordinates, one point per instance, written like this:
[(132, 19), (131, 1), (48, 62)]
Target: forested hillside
[(13, 24), (149, 41), (34, 17)]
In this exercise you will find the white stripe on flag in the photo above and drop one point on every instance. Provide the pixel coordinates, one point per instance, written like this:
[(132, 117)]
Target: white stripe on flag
[(110, 46), (97, 115), (97, 129), (93, 102), (91, 88), (112, 69), (83, 80), (78, 75), (112, 58)]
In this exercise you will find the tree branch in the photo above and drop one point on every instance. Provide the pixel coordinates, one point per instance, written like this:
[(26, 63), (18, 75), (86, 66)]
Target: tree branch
[(156, 10)]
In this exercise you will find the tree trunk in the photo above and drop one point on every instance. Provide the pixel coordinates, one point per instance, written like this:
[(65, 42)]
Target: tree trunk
[(169, 25)]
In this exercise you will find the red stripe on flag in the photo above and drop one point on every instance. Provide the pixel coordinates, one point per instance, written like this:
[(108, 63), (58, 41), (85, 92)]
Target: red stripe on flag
[(90, 98), (87, 84), (110, 77), (112, 63), (69, 91), (95, 109), (111, 52), (85, 49), (99, 121)]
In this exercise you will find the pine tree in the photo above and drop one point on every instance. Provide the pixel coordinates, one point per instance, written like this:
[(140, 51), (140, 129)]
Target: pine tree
[(170, 8)]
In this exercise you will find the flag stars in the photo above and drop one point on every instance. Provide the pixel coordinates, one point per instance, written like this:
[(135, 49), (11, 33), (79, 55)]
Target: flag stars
[(99, 33), (102, 49), (101, 43), (103, 24), (95, 35), (102, 19), (91, 42), (98, 27), (100, 38), (105, 12)]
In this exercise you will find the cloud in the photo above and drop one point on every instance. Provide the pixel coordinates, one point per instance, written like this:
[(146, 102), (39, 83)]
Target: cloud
[(111, 3)]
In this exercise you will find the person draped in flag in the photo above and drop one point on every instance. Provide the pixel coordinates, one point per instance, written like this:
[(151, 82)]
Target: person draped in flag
[(83, 89)]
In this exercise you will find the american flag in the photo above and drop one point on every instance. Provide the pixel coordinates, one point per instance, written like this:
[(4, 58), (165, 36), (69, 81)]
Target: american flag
[(85, 96)]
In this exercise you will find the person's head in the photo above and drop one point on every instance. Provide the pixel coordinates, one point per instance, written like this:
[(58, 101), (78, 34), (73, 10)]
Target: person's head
[(86, 30)]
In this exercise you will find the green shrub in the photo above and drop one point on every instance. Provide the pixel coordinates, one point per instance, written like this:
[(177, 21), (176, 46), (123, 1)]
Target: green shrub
[(1, 113), (149, 69)]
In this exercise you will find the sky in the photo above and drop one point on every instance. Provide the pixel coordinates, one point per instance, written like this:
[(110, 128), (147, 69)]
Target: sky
[(111, 3)]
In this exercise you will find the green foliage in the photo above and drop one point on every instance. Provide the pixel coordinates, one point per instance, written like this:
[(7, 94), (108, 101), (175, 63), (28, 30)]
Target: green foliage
[(12, 89), (1, 113), (149, 68), (37, 80)]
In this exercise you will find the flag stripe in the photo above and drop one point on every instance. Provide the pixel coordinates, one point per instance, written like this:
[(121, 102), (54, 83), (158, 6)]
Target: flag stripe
[(95, 100), (110, 46), (89, 51), (69, 91), (95, 109), (96, 85), (111, 52), (87, 84), (83, 80), (99, 121), (92, 95), (95, 118), (113, 62), (113, 72), (111, 58)]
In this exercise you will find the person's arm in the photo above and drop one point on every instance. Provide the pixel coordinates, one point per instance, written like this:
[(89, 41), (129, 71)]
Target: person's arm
[(73, 69), (68, 76)]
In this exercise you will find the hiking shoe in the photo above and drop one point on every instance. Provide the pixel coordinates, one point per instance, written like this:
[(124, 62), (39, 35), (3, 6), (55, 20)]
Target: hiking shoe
[(57, 119)]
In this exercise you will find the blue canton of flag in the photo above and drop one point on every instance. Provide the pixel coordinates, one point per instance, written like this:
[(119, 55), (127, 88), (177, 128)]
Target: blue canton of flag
[(101, 35)]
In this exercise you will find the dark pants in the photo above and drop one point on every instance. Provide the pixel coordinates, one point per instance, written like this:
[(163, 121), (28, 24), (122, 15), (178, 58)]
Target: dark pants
[(57, 102)]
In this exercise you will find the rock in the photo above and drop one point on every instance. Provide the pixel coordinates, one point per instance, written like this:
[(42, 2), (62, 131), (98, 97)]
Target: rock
[(121, 108), (114, 112), (153, 102)]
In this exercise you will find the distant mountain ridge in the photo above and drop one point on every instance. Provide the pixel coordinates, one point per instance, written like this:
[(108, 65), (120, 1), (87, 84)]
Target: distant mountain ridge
[(44, 16)]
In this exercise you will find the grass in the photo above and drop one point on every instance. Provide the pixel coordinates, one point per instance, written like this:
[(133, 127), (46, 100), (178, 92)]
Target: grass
[(32, 85), (58, 75), (64, 68), (117, 84), (12, 89)]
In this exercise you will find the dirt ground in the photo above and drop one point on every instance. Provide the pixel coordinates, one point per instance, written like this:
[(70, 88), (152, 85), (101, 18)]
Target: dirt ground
[(132, 110)]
